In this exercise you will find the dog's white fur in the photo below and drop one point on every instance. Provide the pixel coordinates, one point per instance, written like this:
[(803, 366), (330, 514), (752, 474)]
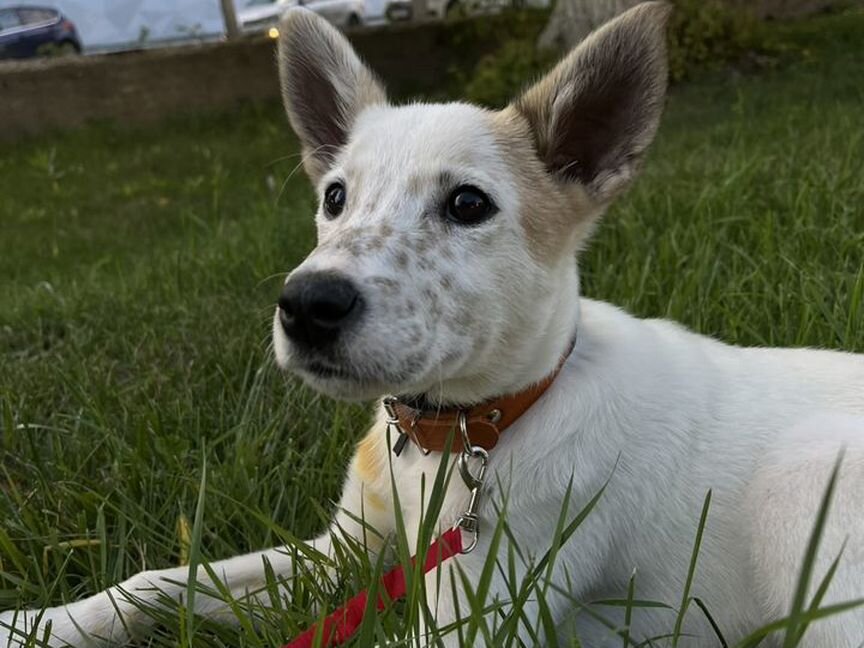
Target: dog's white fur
[(461, 314)]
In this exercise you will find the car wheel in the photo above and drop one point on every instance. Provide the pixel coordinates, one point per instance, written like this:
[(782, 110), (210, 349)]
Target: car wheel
[(67, 48)]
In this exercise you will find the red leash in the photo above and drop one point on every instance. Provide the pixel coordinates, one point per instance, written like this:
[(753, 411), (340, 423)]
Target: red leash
[(478, 432), (340, 626)]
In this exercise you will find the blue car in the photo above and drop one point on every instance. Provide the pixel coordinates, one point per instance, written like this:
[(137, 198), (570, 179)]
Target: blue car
[(35, 31)]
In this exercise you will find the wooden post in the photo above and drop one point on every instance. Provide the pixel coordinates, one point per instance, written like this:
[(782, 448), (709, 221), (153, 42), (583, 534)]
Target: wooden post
[(232, 30), (418, 10), (573, 20)]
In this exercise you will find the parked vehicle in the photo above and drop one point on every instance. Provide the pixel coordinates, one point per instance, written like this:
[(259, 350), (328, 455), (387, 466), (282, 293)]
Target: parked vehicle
[(399, 10), (263, 15), (403, 10), (345, 13), (36, 31), (260, 15)]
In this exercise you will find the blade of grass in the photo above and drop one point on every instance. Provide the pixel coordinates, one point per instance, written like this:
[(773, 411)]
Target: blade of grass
[(691, 572), (701, 605), (758, 636), (628, 609), (823, 587), (794, 633), (195, 554)]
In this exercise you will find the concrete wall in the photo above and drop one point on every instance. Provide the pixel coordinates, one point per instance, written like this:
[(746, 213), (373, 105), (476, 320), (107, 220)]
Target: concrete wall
[(134, 87)]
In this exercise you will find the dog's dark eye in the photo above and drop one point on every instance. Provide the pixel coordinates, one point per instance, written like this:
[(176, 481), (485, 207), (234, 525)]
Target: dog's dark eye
[(334, 199), (468, 205)]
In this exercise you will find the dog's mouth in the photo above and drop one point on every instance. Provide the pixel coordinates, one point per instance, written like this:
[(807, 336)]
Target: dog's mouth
[(345, 380), (325, 370), (347, 372)]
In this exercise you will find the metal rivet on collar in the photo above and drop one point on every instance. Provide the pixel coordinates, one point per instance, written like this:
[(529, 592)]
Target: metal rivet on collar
[(494, 416)]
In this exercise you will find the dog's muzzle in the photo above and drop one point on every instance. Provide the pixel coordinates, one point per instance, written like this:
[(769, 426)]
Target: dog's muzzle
[(316, 308)]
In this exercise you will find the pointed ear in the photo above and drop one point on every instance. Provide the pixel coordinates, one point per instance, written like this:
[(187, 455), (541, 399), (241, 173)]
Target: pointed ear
[(325, 85), (597, 111)]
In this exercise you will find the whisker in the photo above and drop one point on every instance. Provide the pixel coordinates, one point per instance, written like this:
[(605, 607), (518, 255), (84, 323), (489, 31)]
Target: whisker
[(304, 157)]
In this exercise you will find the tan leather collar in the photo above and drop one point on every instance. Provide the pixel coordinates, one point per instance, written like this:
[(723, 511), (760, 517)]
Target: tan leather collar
[(430, 429)]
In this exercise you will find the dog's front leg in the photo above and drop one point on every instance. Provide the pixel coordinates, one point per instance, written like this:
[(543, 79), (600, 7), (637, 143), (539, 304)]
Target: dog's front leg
[(121, 613)]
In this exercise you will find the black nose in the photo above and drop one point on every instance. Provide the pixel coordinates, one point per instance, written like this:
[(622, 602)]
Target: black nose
[(315, 308)]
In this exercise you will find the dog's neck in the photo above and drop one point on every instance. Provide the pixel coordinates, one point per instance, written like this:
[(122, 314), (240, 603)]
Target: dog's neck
[(551, 339), (426, 402), (532, 353), (430, 426)]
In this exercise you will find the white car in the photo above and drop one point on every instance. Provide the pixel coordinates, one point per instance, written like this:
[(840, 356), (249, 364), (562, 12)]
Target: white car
[(263, 15)]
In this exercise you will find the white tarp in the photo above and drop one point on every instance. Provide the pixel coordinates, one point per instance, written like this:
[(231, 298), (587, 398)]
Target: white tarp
[(118, 24)]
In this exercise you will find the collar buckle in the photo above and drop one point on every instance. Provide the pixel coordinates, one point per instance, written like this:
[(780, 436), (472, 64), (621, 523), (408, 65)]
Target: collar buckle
[(394, 425)]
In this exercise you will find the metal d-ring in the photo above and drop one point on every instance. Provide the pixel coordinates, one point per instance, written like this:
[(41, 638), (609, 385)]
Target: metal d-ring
[(463, 431)]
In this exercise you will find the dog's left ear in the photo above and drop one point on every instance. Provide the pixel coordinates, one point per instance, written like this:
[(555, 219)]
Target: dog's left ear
[(597, 111), (325, 85)]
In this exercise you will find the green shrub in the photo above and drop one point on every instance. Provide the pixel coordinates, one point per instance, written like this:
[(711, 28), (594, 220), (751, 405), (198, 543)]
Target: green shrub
[(500, 76), (492, 77), (703, 34)]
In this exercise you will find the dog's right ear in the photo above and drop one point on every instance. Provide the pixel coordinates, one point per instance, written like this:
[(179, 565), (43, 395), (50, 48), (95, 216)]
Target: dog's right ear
[(325, 85), (595, 113)]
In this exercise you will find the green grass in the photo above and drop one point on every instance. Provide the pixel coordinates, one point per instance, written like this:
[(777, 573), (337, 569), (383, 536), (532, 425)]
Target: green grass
[(140, 267)]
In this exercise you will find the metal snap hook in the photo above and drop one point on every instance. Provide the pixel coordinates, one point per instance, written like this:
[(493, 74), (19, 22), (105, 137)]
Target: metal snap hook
[(469, 521)]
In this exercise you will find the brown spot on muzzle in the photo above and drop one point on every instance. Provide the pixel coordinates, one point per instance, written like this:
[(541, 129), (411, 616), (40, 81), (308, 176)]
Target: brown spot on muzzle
[(388, 286), (374, 244), (402, 259), (424, 243)]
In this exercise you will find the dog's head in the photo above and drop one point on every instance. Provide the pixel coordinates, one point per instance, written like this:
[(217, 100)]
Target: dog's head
[(447, 234)]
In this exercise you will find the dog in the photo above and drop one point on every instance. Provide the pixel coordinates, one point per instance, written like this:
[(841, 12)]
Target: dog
[(446, 274)]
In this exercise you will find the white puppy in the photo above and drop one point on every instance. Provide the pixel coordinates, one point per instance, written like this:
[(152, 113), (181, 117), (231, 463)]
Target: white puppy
[(446, 273)]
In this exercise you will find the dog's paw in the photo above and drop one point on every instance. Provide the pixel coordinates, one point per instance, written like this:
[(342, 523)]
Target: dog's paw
[(43, 628), (91, 623), (20, 628)]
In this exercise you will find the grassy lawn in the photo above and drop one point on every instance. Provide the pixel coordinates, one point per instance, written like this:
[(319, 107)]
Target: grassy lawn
[(140, 267)]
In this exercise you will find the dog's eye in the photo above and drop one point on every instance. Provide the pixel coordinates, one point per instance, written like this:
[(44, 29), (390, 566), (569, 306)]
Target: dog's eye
[(334, 199), (468, 205)]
